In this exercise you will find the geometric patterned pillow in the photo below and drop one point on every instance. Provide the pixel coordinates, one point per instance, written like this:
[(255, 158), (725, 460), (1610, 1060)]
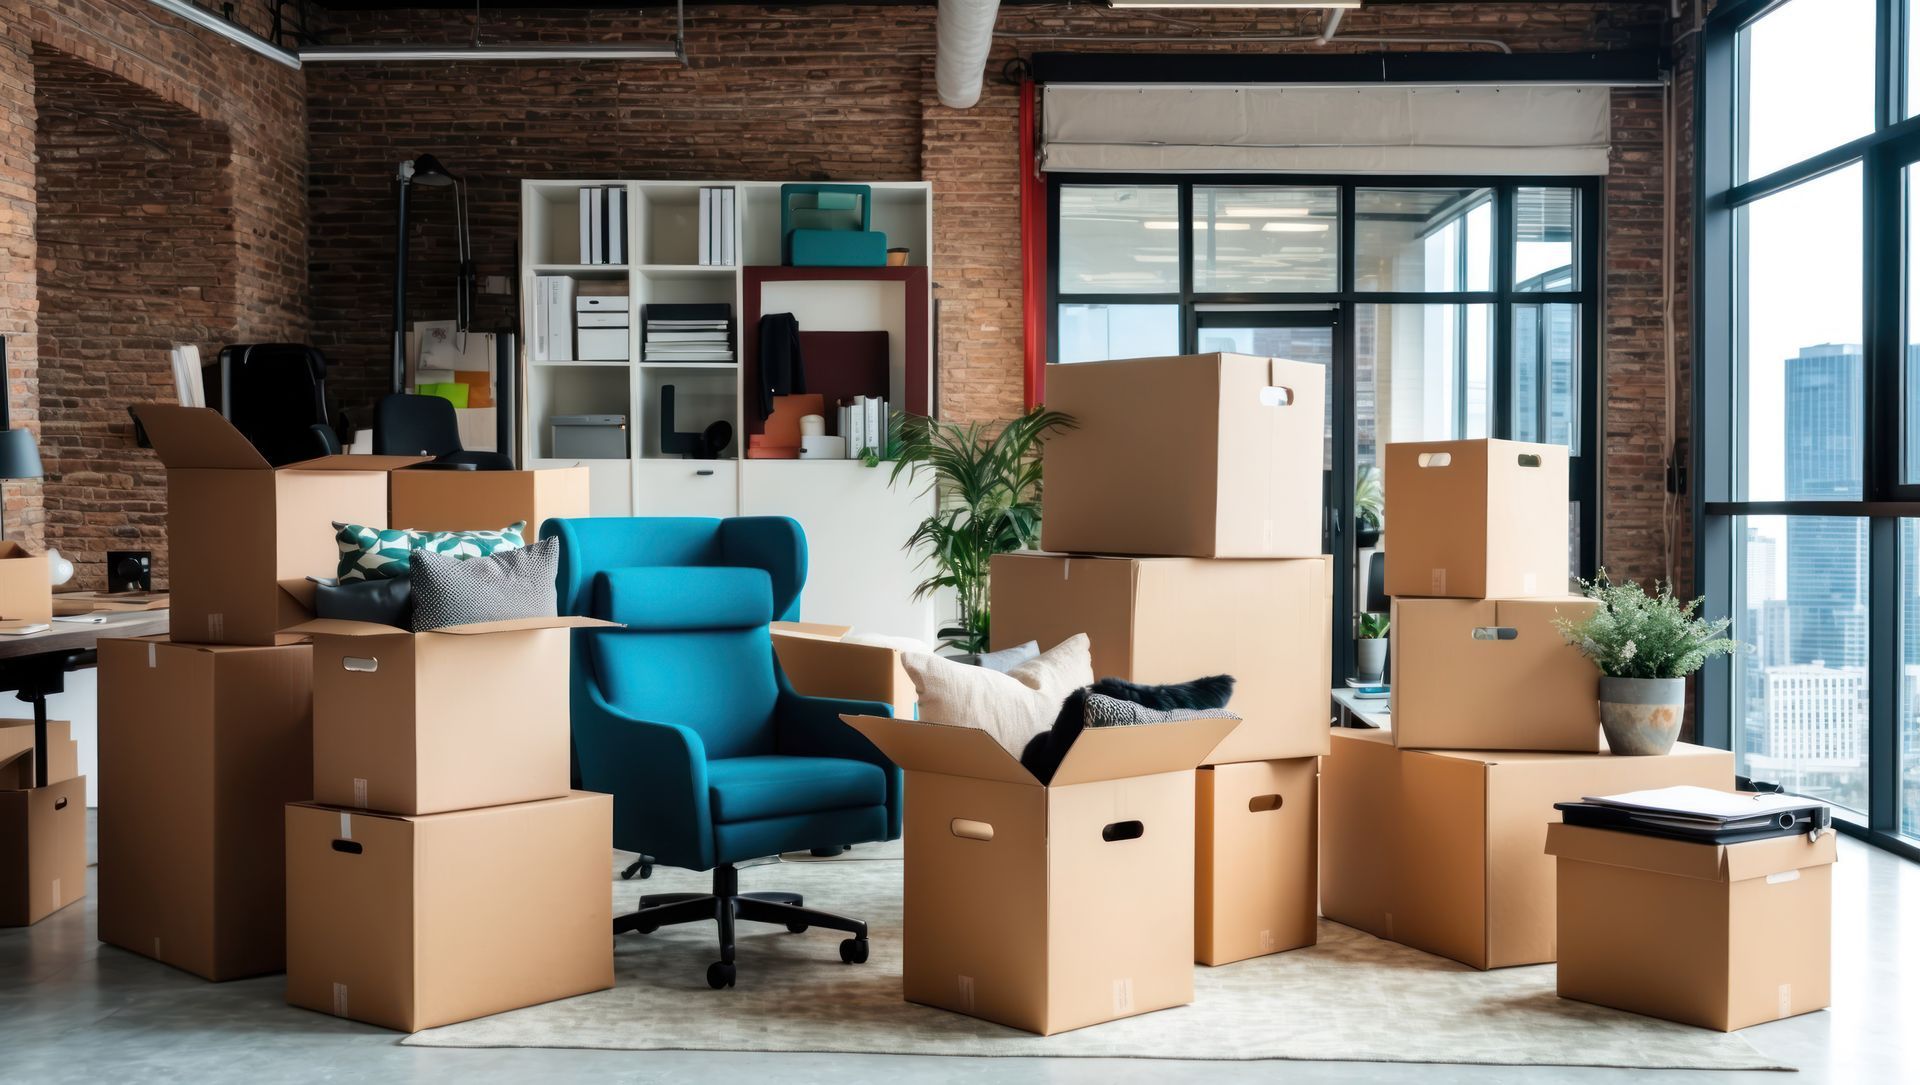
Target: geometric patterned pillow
[(510, 584), (1105, 711), (384, 553)]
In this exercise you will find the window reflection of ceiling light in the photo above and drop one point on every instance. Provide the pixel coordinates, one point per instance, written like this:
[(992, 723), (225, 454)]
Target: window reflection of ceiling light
[(1266, 212), (1163, 224), (1294, 228), (1154, 258)]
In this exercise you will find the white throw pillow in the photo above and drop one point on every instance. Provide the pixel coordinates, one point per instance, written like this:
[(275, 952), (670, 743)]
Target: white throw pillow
[(1012, 707)]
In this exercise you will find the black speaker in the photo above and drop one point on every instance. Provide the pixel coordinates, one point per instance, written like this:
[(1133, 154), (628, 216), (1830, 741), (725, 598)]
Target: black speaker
[(129, 570)]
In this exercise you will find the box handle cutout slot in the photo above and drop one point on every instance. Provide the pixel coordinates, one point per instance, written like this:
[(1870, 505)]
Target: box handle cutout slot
[(1496, 632), (60, 803), (351, 847), (1435, 459), (1122, 830), (971, 830), (1276, 396), (1260, 804), (363, 664), (1529, 459)]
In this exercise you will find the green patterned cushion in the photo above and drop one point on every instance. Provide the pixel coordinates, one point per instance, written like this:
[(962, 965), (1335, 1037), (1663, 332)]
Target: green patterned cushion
[(384, 553)]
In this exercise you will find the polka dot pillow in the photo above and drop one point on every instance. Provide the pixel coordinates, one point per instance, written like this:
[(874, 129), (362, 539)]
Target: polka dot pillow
[(386, 553)]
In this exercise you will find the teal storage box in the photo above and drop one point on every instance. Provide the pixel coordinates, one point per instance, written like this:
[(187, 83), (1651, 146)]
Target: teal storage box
[(828, 226)]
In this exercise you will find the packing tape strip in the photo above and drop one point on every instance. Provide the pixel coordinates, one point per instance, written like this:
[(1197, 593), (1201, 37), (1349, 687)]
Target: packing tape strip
[(966, 993), (1123, 995), (1786, 1000), (340, 1000), (359, 792), (346, 825), (153, 655), (56, 894)]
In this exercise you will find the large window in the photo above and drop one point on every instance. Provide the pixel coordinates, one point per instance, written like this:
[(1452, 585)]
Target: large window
[(1808, 402), (1441, 307)]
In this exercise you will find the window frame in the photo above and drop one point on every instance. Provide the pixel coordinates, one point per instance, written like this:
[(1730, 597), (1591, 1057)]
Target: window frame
[(1718, 396), (1503, 299)]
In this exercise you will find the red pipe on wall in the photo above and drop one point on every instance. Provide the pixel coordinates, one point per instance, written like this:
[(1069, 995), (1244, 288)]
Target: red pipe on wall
[(1033, 250)]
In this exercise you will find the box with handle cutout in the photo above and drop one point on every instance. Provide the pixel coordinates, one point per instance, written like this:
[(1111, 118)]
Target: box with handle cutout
[(1479, 519), (1048, 907), (1256, 859), (1492, 674)]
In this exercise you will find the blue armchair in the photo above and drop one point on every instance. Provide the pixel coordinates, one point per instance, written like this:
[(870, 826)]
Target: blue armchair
[(685, 718)]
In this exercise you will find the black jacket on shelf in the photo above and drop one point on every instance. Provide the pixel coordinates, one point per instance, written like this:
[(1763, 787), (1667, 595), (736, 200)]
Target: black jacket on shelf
[(782, 373)]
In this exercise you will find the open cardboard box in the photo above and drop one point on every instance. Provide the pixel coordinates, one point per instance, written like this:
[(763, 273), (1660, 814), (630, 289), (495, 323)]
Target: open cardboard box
[(1740, 933), (431, 499), (1217, 456), (26, 587), (820, 664), (200, 747), (1492, 674), (243, 536), (16, 753), (460, 717), (1048, 908), (414, 922), (1476, 519), (1445, 850), (1256, 863), (1173, 619)]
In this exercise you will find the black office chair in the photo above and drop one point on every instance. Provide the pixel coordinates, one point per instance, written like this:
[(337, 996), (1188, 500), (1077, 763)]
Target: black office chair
[(410, 425), (276, 395)]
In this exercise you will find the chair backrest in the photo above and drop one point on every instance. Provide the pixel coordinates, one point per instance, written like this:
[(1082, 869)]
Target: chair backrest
[(276, 395), (695, 597), (410, 425)]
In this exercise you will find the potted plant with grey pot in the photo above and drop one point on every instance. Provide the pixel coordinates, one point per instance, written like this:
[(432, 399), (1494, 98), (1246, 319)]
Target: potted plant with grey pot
[(1645, 646), (1370, 647)]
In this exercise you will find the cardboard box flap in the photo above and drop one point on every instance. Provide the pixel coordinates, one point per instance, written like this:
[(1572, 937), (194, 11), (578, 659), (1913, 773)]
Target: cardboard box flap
[(340, 627), (1708, 862), (356, 463), (945, 749), (162, 640), (811, 630), (197, 438), (1113, 753), (337, 627), (11, 549)]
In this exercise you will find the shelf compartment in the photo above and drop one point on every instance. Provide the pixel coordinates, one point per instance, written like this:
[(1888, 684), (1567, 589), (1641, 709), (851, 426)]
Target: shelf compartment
[(565, 388), (670, 236), (703, 394)]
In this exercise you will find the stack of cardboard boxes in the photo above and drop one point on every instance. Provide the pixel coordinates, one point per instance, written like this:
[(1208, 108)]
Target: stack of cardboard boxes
[(43, 829), (442, 870), (1183, 535), (1433, 833)]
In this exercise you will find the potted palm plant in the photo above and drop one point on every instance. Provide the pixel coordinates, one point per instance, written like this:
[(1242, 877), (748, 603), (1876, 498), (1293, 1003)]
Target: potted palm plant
[(988, 491), (1369, 507), (1645, 646), (1370, 647)]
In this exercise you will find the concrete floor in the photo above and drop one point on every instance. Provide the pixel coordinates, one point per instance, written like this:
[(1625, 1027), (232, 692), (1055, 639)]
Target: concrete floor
[(73, 1009)]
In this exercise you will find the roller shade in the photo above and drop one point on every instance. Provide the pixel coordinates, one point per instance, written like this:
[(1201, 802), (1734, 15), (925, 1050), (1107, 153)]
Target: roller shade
[(1480, 130)]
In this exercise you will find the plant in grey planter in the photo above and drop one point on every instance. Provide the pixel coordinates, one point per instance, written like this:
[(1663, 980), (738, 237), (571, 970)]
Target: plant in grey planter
[(1645, 646), (1370, 647)]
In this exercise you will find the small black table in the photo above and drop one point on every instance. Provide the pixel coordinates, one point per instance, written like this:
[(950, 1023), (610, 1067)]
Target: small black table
[(36, 664)]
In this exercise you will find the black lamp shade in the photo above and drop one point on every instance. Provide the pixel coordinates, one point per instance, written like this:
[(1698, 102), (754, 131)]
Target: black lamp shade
[(19, 456), (427, 170)]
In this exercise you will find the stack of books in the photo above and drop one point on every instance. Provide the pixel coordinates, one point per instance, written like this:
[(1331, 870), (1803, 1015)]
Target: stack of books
[(863, 422), (603, 224), (687, 333), (716, 227)]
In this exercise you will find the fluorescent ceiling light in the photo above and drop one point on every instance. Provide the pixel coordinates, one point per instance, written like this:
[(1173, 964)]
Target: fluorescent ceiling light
[(582, 51), (1294, 228), (229, 30)]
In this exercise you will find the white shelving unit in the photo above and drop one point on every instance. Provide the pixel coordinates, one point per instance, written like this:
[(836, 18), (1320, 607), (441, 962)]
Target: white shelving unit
[(855, 523)]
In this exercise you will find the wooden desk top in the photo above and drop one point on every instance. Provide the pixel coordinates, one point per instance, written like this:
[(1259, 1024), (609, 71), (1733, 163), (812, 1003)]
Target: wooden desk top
[(74, 636)]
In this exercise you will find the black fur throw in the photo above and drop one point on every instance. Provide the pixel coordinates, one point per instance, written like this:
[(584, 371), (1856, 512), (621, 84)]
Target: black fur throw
[(1044, 753)]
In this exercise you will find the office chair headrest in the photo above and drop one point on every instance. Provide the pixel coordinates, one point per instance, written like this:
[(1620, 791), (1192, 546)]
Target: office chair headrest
[(684, 597)]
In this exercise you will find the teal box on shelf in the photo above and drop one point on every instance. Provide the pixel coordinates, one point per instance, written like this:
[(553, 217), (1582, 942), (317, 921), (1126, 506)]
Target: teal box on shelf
[(825, 225)]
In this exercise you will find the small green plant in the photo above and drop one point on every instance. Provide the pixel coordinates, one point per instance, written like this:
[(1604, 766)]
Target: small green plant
[(1636, 635), (1372, 626), (988, 491), (1370, 498)]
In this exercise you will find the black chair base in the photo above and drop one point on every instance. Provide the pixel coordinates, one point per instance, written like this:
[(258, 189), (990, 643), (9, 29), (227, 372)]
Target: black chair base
[(726, 905)]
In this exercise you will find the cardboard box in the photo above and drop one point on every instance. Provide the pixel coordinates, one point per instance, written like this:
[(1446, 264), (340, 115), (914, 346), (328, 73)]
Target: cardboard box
[(242, 536), (422, 723), (434, 500), (1266, 622), (1048, 908), (1445, 850), (201, 746), (1739, 934), (1476, 519), (414, 922), (820, 664), (43, 850), (26, 586), (16, 753), (1256, 859), (1492, 674), (1208, 455)]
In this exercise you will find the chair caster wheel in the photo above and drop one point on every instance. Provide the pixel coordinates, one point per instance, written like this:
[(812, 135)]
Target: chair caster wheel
[(645, 930), (720, 974), (797, 928), (641, 867), (854, 951)]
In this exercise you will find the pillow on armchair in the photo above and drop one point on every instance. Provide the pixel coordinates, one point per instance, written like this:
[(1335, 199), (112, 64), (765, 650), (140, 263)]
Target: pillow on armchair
[(1012, 706)]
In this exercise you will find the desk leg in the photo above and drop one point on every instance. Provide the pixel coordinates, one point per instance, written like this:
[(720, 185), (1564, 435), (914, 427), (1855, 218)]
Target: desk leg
[(40, 742)]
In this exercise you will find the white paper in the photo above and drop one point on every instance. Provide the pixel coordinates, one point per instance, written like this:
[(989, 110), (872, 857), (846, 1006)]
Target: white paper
[(1705, 802)]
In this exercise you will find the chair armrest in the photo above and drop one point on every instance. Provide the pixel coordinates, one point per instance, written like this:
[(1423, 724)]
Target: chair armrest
[(657, 775), (812, 727)]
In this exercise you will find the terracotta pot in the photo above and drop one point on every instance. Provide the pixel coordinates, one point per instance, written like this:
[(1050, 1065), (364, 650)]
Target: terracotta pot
[(1641, 716)]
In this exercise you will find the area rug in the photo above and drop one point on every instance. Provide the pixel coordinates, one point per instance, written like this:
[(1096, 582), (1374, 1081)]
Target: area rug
[(1352, 997)]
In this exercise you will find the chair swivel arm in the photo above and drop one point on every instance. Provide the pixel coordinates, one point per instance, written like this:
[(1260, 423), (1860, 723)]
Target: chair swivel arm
[(812, 727), (673, 805)]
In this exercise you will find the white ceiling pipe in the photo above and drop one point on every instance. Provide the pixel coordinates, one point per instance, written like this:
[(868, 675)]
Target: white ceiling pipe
[(965, 34)]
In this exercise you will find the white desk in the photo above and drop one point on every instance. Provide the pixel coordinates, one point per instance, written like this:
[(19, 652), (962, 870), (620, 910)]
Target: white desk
[(1356, 711)]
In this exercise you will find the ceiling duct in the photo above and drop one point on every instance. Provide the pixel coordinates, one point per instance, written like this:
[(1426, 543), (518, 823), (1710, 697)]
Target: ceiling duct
[(965, 36)]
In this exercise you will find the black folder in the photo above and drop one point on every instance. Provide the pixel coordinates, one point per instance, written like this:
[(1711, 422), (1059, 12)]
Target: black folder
[(1814, 817)]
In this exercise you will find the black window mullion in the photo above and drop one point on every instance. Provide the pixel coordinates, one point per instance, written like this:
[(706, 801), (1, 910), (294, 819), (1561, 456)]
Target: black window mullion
[(1884, 673), (1500, 367), (1183, 208)]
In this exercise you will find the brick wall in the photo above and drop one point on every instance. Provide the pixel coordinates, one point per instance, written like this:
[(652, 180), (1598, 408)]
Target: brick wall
[(833, 93), (159, 107)]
